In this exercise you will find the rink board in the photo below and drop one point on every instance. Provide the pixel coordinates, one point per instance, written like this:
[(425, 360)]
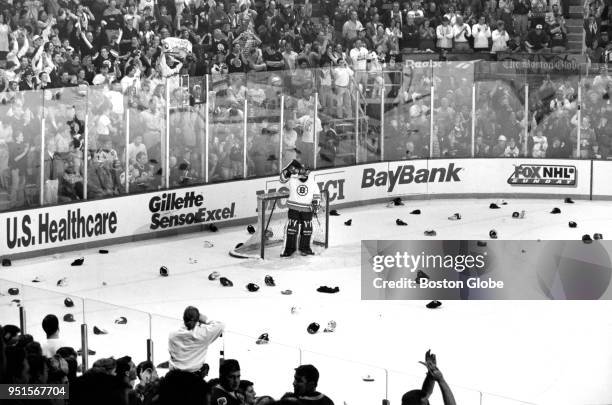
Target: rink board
[(44, 230)]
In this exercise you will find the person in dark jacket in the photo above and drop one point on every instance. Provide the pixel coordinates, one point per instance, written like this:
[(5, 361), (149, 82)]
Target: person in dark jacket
[(100, 181), (229, 383), (305, 391)]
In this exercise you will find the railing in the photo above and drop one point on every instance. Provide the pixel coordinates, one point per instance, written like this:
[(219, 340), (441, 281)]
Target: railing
[(96, 142), (145, 337)]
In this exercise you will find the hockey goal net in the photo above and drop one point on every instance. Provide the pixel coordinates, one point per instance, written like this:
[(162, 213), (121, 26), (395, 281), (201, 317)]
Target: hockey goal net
[(271, 222)]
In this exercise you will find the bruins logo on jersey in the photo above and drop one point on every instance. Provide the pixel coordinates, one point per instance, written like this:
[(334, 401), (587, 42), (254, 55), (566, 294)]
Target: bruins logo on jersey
[(302, 190)]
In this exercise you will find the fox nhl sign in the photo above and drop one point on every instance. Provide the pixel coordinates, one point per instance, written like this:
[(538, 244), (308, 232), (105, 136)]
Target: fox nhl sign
[(543, 174)]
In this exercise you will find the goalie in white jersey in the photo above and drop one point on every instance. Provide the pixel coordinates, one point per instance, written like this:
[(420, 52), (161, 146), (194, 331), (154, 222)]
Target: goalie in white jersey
[(304, 199)]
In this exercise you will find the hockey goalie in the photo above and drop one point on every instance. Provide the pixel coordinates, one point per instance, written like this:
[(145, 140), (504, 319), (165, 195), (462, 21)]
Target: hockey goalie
[(303, 202)]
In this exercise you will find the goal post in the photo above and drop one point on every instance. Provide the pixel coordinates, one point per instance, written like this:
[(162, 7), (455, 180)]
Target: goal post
[(271, 223)]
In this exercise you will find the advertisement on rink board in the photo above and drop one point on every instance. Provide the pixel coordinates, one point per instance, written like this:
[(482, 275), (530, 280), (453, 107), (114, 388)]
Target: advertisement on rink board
[(123, 217), (543, 174), (602, 186), (141, 214)]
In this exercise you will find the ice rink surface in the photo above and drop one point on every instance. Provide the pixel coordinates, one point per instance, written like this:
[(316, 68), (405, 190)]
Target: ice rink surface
[(544, 352)]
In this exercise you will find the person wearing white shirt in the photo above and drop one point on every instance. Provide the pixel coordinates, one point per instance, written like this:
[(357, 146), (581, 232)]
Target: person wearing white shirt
[(50, 325), (461, 33), (512, 149), (131, 79), (188, 346), (375, 72), (103, 125), (290, 57), (289, 139), (451, 15), (310, 126), (540, 144), (136, 147), (444, 33), (166, 70), (500, 38), (351, 27), (559, 102), (325, 85), (359, 57), (342, 78), (481, 33)]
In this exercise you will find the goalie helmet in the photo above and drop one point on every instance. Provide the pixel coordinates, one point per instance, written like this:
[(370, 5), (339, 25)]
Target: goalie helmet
[(303, 173)]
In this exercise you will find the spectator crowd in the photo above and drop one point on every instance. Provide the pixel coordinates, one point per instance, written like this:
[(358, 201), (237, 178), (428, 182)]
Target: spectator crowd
[(598, 30), (121, 381), (130, 73)]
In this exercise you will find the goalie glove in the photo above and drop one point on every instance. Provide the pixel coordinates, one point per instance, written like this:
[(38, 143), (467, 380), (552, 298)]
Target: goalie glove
[(286, 173)]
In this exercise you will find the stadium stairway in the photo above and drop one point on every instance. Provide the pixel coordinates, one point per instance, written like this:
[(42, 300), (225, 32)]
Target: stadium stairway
[(575, 40)]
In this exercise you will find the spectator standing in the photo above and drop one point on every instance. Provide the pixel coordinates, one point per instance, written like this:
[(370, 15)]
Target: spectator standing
[(50, 325), (592, 30), (289, 142), (500, 38), (18, 164), (410, 36), (393, 14), (273, 58), (359, 60), (521, 16), (188, 346), (540, 145), (325, 84), (290, 57), (461, 33), (351, 28), (5, 32), (444, 34), (419, 397), (53, 171), (481, 33), (538, 12), (427, 37), (342, 77)]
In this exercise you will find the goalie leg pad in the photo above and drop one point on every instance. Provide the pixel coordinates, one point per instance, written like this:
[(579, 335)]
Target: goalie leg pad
[(306, 233), (291, 234)]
